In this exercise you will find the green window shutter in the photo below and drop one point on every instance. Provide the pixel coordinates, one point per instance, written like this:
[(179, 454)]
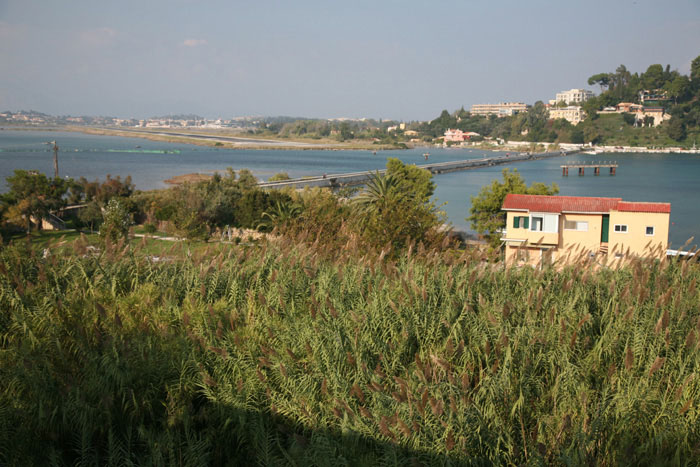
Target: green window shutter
[(516, 222), (526, 224)]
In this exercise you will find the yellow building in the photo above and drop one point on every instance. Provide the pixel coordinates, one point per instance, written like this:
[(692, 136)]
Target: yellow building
[(544, 229), (573, 114)]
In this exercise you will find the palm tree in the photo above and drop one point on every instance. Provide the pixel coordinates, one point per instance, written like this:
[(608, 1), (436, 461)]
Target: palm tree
[(280, 214), (378, 188)]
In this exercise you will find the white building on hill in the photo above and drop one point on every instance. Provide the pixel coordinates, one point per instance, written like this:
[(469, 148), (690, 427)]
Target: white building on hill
[(573, 96)]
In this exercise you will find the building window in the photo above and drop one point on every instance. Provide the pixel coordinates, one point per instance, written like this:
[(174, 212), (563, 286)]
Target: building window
[(581, 226), (537, 223), (521, 221), (621, 228), (548, 223), (650, 231)]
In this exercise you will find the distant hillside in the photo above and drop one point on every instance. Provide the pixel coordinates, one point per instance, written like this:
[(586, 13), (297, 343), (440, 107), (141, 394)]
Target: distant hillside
[(676, 94)]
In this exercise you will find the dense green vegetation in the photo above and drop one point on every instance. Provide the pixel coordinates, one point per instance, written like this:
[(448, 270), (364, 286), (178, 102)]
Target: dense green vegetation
[(282, 354), (389, 219)]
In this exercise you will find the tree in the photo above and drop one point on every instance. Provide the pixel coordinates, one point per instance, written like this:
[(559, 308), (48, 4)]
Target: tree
[(591, 135), (90, 215), (486, 216), (395, 209), (32, 196), (279, 215), (678, 88), (345, 132), (577, 135), (676, 129), (695, 69), (378, 188), (622, 77), (629, 118), (114, 187), (601, 79), (653, 78), (411, 179), (116, 220), (246, 180), (278, 177)]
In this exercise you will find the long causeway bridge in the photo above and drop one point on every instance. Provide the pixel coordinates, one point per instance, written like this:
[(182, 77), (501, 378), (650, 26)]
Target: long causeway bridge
[(360, 178)]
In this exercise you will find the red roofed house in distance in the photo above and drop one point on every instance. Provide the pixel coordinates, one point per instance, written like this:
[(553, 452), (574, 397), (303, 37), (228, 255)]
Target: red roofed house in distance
[(542, 229)]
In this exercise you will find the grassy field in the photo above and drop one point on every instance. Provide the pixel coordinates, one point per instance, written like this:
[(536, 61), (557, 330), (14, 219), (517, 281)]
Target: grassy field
[(615, 132), (276, 354)]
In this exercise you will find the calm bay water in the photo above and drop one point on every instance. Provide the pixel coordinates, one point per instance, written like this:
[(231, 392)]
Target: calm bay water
[(640, 177)]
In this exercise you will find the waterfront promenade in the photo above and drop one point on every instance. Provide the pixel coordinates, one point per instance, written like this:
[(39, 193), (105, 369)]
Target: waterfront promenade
[(359, 178)]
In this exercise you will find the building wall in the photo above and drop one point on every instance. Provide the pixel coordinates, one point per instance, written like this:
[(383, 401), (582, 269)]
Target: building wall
[(659, 115), (524, 256), (635, 241), (547, 238), (570, 245), (454, 135), (572, 114), (502, 109), (580, 243), (574, 95)]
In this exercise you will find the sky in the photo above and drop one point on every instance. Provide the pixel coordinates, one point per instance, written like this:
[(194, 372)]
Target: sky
[(402, 60)]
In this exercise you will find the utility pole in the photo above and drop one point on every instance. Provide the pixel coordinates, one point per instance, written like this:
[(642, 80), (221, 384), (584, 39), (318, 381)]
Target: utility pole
[(55, 158)]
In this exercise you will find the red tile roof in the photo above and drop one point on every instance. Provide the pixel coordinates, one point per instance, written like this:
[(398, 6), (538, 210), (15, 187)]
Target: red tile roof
[(583, 204), (627, 206)]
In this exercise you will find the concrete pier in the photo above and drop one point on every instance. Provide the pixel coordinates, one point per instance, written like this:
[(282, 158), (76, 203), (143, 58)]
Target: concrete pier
[(584, 165)]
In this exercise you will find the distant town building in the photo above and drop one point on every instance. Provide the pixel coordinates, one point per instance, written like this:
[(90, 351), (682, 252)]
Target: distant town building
[(503, 109), (640, 112), (628, 107), (454, 135), (543, 229), (573, 96), (653, 96), (658, 114), (459, 136), (573, 114)]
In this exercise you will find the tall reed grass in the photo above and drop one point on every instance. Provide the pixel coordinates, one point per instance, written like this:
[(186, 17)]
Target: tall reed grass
[(276, 354)]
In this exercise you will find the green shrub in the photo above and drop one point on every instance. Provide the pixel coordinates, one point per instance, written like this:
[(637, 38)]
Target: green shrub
[(116, 220)]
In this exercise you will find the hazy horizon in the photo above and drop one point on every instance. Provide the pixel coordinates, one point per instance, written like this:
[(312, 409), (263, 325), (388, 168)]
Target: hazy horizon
[(383, 60)]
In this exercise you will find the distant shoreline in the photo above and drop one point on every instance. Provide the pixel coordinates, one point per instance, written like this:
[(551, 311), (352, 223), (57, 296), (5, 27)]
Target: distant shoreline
[(223, 140), (232, 140)]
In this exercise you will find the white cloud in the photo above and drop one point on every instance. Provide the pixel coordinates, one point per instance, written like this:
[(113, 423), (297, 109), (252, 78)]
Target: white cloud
[(194, 42)]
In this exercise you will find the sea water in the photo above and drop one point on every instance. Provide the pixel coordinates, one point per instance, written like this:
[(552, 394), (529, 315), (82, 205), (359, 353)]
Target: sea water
[(670, 178)]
